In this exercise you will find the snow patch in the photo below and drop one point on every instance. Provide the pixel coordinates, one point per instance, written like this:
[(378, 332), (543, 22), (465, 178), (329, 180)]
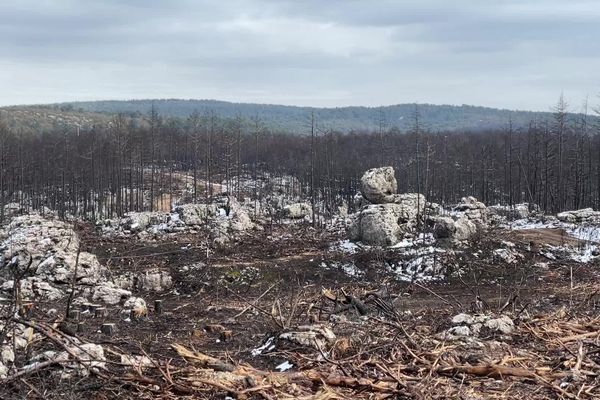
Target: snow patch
[(284, 366), (268, 346)]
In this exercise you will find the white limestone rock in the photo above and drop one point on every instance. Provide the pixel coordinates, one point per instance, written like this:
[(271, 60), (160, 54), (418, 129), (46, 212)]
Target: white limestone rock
[(378, 185)]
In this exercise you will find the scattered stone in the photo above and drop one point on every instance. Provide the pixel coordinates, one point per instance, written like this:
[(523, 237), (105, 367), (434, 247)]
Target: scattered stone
[(463, 318), (466, 325), (316, 336), (139, 221), (109, 293), (502, 324), (136, 361), (196, 214), (92, 356), (137, 306), (509, 255), (459, 331), (89, 356), (7, 354), (125, 314)]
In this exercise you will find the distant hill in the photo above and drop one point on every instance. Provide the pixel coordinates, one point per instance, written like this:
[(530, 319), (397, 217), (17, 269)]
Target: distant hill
[(31, 119), (297, 119)]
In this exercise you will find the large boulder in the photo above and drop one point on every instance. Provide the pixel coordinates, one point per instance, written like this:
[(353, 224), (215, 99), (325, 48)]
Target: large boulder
[(155, 280), (412, 205), (464, 229), (109, 293), (46, 248), (60, 266), (297, 210), (469, 203), (474, 210), (378, 185), (238, 217), (223, 217), (196, 214), (378, 225), (45, 252), (139, 221)]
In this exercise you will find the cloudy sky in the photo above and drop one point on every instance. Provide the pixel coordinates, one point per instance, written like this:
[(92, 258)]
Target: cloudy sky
[(517, 54)]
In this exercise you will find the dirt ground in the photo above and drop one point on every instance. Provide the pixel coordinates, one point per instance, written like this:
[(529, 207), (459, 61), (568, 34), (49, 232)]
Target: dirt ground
[(388, 333)]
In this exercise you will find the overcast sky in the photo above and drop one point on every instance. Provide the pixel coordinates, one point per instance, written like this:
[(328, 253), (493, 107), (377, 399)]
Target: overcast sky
[(512, 54)]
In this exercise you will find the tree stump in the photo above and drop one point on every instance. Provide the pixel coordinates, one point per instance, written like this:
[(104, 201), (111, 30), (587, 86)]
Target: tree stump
[(226, 335), (26, 310), (158, 306), (100, 312), (74, 315), (108, 329)]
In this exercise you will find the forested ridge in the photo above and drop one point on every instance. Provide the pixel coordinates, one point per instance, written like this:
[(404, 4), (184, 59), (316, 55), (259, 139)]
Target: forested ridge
[(104, 170), (293, 119)]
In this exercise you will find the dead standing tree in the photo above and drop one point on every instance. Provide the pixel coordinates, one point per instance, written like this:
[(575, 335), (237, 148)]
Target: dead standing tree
[(559, 129)]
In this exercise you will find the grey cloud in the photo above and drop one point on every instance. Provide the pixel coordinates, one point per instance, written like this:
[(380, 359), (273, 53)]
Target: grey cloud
[(511, 53)]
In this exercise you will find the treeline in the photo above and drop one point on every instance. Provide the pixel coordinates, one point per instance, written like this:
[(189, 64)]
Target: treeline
[(107, 171), (345, 119)]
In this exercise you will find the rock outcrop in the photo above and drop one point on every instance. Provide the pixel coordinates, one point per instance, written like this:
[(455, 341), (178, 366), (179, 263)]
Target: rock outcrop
[(463, 222), (586, 215), (473, 210), (388, 216), (517, 211), (42, 251), (223, 218)]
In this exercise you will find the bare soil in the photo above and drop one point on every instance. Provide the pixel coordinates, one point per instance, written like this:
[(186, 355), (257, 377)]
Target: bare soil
[(227, 302)]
